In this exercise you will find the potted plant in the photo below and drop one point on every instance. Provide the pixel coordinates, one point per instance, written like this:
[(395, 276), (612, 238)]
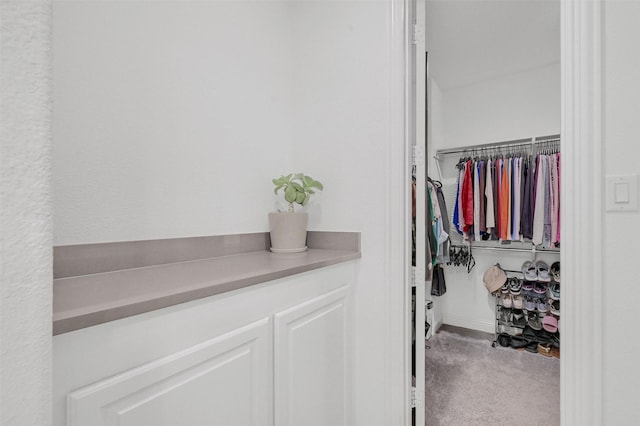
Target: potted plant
[(288, 230)]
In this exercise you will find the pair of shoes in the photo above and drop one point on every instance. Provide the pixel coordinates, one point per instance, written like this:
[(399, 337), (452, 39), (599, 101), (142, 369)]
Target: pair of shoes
[(553, 291), (555, 271), (515, 286), (538, 271), (529, 271)]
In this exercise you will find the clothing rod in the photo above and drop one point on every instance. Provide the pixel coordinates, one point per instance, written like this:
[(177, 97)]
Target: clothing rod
[(515, 142)]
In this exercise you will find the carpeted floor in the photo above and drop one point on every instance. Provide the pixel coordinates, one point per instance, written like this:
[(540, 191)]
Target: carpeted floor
[(470, 383)]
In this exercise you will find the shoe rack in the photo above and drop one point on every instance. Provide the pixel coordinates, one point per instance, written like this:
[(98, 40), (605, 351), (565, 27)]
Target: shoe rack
[(528, 313)]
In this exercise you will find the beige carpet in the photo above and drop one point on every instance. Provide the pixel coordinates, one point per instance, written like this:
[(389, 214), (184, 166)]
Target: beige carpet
[(470, 383)]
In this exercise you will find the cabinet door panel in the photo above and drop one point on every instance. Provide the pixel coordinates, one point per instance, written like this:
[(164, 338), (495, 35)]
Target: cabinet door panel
[(223, 381), (311, 362)]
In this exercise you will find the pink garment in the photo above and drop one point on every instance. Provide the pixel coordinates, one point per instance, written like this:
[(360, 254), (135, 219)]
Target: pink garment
[(476, 202), (559, 212), (509, 197), (554, 199)]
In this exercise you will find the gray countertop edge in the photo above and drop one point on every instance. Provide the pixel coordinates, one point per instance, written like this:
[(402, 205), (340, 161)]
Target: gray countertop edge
[(68, 320)]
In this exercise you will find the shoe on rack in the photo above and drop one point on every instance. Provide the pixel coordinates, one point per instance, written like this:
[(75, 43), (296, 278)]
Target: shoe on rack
[(555, 271), (507, 302), (504, 340), (518, 318), (554, 291), (505, 316), (539, 289), (529, 334), (544, 349), (529, 303), (515, 287), (505, 288), (533, 320), (543, 271), (554, 307), (529, 271), (527, 288), (518, 342), (542, 306), (532, 347), (550, 323), (518, 301)]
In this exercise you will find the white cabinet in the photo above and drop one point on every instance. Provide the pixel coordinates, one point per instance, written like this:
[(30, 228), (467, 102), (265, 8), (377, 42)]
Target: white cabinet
[(278, 353), (220, 381), (311, 362)]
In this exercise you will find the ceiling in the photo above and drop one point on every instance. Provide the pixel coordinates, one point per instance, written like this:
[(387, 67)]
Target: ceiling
[(474, 40)]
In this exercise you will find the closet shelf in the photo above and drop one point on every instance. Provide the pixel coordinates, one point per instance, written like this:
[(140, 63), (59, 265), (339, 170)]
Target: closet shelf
[(505, 247), (498, 145)]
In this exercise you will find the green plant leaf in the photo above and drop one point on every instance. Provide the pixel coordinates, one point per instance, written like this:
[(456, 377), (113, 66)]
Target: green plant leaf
[(297, 186), (309, 191), (290, 194), (279, 181), (299, 176), (307, 181), (316, 184), (300, 197), (306, 200)]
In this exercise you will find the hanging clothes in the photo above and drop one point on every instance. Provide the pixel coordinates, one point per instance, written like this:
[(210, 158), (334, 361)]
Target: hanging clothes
[(514, 197)]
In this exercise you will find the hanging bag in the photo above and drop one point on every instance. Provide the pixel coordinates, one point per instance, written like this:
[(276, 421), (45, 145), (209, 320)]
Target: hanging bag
[(438, 284)]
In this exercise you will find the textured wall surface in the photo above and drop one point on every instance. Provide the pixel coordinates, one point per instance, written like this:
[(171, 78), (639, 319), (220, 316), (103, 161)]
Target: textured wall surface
[(25, 213)]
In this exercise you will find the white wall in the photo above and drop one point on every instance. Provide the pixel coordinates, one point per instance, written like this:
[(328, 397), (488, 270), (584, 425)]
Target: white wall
[(516, 106), (171, 118), (620, 289), (25, 213), (342, 137)]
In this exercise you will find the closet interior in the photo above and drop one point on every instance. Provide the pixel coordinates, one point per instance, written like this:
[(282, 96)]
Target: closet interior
[(489, 196)]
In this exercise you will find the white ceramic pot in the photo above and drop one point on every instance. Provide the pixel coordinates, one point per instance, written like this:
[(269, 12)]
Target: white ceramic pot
[(288, 232)]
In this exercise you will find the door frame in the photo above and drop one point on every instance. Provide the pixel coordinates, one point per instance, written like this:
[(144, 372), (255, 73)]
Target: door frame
[(582, 216), (582, 189)]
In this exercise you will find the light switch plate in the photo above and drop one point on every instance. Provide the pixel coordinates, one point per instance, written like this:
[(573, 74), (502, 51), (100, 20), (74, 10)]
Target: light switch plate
[(622, 193)]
